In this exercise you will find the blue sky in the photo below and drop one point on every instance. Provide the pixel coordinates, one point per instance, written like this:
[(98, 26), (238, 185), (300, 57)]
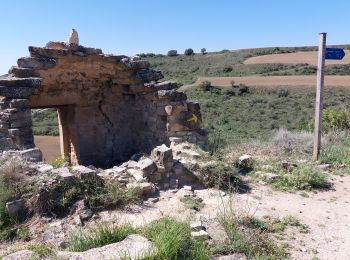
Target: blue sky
[(135, 26)]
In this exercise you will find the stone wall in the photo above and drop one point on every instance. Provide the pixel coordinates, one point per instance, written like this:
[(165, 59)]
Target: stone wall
[(109, 107)]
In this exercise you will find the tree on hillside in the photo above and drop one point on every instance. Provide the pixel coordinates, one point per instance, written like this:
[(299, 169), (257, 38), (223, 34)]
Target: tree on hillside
[(204, 51), (172, 53), (189, 52)]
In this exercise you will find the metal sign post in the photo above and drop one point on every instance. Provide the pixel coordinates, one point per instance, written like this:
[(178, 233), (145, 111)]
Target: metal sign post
[(319, 95)]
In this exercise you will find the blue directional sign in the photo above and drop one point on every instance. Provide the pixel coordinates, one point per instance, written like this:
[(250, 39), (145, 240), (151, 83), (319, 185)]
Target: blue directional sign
[(334, 54)]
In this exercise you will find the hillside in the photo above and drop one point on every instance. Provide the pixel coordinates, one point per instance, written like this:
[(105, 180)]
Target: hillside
[(186, 69)]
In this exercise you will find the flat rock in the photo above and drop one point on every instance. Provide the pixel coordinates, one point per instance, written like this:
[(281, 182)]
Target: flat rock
[(200, 235), (237, 256), (20, 255), (146, 188), (64, 173), (84, 172), (132, 247)]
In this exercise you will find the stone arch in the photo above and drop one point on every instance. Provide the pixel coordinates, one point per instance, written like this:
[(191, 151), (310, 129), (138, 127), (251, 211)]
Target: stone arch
[(109, 106)]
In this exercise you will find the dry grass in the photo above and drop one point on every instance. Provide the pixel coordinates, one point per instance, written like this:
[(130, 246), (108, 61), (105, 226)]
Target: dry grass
[(273, 81), (309, 57)]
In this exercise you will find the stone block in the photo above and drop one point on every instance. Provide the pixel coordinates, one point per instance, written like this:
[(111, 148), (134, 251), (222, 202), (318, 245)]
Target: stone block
[(147, 166), (146, 188), (200, 235), (19, 103), (23, 72), (163, 157), (64, 173), (84, 172), (16, 207), (36, 63), (33, 154), (15, 92), (20, 82)]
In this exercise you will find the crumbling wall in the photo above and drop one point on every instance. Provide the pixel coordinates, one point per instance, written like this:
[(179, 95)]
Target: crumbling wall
[(109, 106)]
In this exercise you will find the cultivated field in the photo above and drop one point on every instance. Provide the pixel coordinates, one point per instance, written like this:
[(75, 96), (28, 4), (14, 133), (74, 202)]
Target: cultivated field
[(49, 145), (309, 57), (293, 81)]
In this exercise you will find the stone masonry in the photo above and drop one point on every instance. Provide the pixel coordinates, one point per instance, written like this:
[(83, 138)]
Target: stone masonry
[(109, 107)]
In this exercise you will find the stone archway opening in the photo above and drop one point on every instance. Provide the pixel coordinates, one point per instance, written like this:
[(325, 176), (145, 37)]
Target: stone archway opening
[(109, 107), (46, 133)]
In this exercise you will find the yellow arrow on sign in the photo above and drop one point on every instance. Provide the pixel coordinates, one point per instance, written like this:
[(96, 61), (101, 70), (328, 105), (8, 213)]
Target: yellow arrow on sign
[(194, 118)]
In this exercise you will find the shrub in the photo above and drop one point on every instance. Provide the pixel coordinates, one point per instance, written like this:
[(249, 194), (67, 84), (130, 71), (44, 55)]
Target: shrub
[(227, 69), (248, 235), (335, 119), (172, 53), (243, 89), (189, 52), (101, 235), (60, 162), (283, 93), (303, 177), (232, 83), (222, 175), (205, 85), (204, 51), (225, 51)]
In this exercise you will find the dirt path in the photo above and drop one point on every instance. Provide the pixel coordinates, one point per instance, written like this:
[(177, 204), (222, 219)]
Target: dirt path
[(50, 147), (309, 57)]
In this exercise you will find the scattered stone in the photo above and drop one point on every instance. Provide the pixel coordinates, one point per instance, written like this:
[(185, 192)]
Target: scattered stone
[(236, 256), (200, 235), (163, 157), (188, 188), (16, 207), (196, 226), (154, 200), (44, 168), (84, 172), (146, 188), (267, 176), (147, 166), (245, 161), (64, 173), (20, 255), (85, 214), (33, 155), (324, 167), (136, 174)]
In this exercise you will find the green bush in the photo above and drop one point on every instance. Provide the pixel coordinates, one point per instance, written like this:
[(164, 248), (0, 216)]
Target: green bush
[(227, 69), (243, 89), (192, 203), (205, 85), (204, 51), (172, 53), (189, 52), (335, 119)]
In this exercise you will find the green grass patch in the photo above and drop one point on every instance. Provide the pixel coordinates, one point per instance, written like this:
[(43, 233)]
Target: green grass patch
[(101, 235), (192, 203), (250, 236), (42, 250), (173, 241), (303, 177)]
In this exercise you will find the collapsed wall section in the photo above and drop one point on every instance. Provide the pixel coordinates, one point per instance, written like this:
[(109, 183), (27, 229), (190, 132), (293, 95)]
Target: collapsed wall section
[(109, 107)]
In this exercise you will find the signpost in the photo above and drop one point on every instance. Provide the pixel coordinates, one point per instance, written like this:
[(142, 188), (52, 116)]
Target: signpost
[(334, 54), (329, 54)]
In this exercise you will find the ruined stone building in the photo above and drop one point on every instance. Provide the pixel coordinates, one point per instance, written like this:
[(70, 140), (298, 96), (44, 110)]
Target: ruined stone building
[(109, 107)]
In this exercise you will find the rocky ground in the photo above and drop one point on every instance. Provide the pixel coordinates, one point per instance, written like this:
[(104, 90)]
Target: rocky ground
[(323, 214)]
